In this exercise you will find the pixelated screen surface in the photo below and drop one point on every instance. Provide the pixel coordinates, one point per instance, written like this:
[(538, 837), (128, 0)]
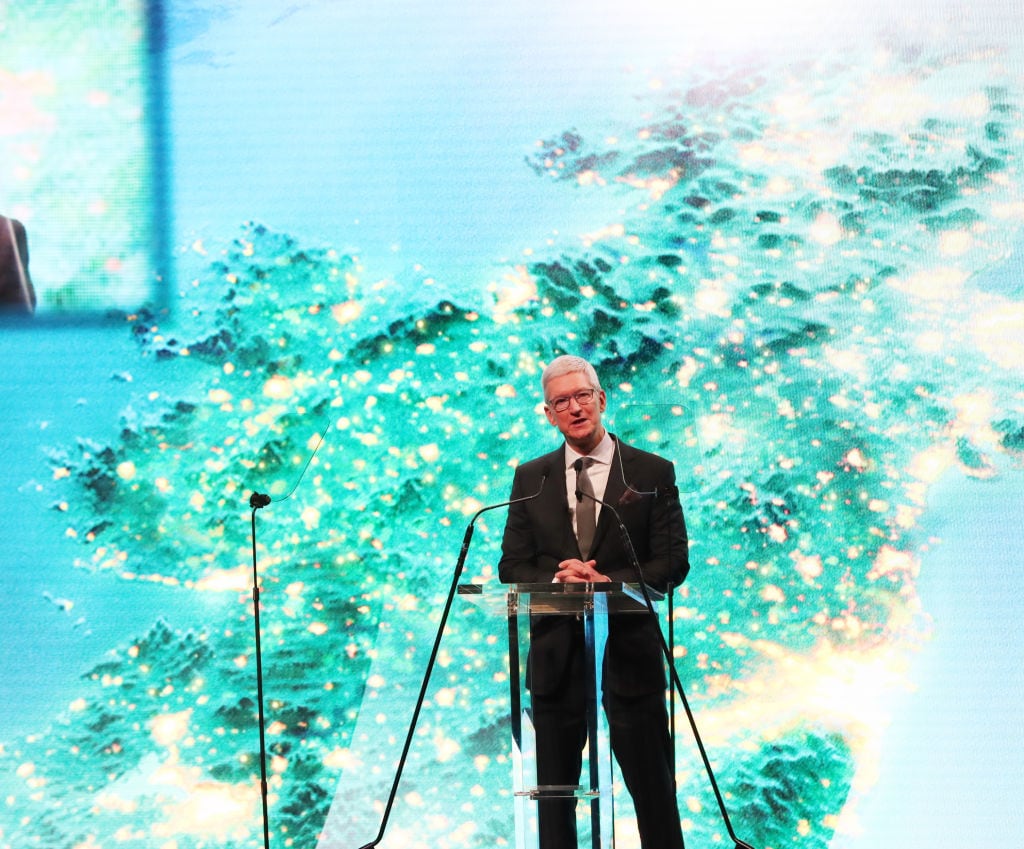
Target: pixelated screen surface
[(81, 157), (789, 240)]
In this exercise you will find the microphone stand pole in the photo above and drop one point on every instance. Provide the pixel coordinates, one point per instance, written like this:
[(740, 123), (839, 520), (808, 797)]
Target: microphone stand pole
[(672, 653), (433, 656), (256, 501), (635, 562)]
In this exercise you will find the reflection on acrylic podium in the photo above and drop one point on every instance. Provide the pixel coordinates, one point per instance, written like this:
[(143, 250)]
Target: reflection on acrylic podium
[(592, 603)]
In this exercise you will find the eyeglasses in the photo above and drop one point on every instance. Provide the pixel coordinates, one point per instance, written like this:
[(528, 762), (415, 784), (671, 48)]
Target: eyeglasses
[(583, 397)]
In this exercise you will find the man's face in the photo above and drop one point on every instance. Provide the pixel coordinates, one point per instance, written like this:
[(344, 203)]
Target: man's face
[(580, 423)]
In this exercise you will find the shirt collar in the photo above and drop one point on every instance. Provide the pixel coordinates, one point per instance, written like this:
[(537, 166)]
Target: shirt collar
[(604, 452)]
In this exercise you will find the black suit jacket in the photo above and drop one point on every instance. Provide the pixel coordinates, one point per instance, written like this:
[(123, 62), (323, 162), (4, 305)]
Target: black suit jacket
[(16, 290), (539, 535)]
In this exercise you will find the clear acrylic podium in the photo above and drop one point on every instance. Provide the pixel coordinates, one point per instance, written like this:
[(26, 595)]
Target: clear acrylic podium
[(592, 603)]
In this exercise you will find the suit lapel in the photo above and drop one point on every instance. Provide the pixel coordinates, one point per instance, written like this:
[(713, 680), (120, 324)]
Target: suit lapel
[(556, 501), (614, 489), (617, 475)]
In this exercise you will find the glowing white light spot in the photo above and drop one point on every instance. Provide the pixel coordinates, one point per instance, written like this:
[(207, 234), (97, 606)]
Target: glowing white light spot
[(278, 387)]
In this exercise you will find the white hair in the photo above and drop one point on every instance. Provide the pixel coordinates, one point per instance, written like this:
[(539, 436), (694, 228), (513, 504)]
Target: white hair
[(568, 364)]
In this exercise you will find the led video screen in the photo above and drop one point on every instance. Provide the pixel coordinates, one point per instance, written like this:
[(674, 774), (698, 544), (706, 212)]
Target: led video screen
[(788, 238), (82, 155)]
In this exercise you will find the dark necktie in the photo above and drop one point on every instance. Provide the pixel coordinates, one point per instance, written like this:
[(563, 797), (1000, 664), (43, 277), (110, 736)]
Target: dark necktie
[(586, 508)]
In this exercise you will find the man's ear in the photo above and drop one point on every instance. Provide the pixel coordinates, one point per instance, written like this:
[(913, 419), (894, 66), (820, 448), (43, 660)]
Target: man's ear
[(550, 415)]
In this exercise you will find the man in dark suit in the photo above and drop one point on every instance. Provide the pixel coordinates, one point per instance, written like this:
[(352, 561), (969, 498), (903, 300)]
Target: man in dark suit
[(16, 291), (551, 538)]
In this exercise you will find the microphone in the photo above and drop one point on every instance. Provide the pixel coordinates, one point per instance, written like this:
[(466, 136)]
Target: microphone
[(670, 491), (631, 494), (258, 500), (628, 542), (545, 473)]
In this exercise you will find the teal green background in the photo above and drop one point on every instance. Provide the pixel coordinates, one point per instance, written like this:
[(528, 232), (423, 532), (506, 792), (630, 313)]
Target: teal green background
[(788, 241)]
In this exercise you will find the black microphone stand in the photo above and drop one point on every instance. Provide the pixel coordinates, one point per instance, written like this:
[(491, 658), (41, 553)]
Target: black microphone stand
[(256, 501), (673, 491), (635, 563), (433, 654)]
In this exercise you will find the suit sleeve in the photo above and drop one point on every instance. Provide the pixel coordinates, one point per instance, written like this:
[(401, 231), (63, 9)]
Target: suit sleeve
[(538, 533), (670, 555), (16, 288), (519, 562)]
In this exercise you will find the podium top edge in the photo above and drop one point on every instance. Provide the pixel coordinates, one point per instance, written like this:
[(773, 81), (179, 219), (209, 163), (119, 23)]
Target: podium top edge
[(552, 588)]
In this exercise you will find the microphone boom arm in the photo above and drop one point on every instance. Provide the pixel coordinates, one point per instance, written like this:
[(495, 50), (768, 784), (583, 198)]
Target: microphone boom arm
[(459, 566), (677, 684)]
